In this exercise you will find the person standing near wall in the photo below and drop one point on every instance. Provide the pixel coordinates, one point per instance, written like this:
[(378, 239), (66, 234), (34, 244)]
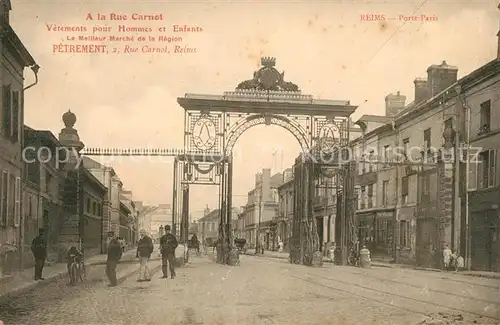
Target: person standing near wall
[(114, 255), (39, 250), (447, 257)]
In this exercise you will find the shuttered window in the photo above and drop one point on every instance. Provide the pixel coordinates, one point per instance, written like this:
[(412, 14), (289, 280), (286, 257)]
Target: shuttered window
[(6, 111), (12, 200), (5, 198), (15, 116), (486, 174), (17, 203)]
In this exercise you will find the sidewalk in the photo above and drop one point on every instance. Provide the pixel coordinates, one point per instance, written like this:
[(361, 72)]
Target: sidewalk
[(379, 263), (23, 281)]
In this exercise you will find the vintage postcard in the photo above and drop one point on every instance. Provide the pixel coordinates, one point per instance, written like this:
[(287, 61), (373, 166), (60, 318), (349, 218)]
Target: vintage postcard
[(250, 162)]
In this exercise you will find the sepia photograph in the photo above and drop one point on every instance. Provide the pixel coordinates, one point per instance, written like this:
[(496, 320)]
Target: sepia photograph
[(158, 166)]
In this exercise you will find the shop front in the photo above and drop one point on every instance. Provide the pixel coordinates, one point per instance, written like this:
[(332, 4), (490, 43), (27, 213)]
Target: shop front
[(366, 229), (485, 236), (406, 235), (384, 236)]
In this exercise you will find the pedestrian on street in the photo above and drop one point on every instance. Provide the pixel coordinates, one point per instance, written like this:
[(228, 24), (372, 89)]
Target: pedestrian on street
[(168, 244), (447, 257), (144, 251), (39, 250), (114, 255), (73, 253), (459, 264)]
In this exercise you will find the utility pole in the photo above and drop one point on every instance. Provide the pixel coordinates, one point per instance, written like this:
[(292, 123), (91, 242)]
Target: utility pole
[(467, 131), (468, 246), (257, 230)]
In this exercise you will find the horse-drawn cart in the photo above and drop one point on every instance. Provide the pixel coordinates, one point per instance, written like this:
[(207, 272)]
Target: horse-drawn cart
[(194, 245), (241, 245), (210, 242)]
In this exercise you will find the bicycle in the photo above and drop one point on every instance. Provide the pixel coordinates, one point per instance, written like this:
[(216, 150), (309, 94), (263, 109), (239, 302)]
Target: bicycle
[(77, 270)]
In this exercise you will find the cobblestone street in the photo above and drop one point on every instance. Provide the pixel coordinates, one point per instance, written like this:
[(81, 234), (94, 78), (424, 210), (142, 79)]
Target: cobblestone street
[(264, 291)]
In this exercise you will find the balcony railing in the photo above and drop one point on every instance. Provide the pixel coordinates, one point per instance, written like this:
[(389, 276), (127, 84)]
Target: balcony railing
[(367, 203)]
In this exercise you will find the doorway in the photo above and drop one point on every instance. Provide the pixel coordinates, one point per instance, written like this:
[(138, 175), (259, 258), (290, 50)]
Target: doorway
[(484, 234), (320, 228)]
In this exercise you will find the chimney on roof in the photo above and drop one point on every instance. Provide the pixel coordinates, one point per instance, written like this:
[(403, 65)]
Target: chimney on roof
[(394, 103), (421, 90), (440, 77)]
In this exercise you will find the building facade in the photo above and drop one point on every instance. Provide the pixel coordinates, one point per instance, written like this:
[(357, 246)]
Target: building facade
[(14, 60), (413, 197), (92, 221), (161, 216), (42, 191), (480, 100), (286, 194), (114, 189), (208, 226), (392, 185), (376, 203), (127, 199), (260, 214), (126, 223)]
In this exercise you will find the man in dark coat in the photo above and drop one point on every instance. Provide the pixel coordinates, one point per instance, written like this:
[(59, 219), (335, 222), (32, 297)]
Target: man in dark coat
[(168, 244), (114, 255), (144, 251), (39, 250)]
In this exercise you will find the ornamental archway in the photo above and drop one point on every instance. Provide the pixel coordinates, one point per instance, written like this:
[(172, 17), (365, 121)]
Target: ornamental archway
[(253, 120), (213, 124)]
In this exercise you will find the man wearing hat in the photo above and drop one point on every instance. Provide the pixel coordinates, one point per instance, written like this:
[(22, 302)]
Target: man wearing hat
[(39, 250), (168, 244)]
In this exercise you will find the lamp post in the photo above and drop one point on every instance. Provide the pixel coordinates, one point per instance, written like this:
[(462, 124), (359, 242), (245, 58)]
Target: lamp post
[(185, 212)]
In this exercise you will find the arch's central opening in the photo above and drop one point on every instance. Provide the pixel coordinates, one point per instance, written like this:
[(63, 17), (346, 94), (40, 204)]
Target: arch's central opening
[(215, 123)]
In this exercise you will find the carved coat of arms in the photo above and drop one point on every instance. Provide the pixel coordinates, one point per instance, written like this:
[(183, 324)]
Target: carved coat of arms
[(268, 78)]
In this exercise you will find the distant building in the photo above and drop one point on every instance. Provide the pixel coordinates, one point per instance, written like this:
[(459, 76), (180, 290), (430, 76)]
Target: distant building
[(208, 226), (111, 207), (261, 209), (126, 223), (160, 216), (141, 215), (286, 193), (193, 227), (126, 198)]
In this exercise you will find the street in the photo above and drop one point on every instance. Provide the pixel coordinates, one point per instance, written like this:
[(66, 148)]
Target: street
[(264, 291)]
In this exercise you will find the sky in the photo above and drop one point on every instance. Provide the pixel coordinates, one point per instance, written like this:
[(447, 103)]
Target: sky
[(129, 99)]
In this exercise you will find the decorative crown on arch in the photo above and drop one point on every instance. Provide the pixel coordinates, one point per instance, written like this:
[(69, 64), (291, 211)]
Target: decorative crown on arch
[(268, 78), (268, 61)]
